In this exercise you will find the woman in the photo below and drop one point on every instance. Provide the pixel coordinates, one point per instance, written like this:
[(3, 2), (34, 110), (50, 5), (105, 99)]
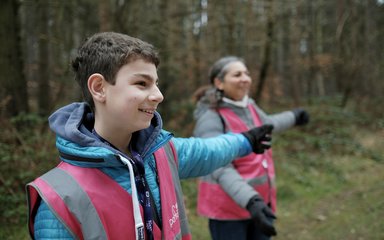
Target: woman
[(240, 198)]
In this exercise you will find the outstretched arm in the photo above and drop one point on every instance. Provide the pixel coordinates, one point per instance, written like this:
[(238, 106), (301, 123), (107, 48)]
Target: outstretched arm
[(199, 157)]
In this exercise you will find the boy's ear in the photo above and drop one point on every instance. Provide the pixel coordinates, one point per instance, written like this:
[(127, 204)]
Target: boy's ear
[(218, 83), (96, 86)]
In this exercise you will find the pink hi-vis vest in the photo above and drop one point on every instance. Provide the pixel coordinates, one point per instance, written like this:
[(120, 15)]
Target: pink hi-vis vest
[(91, 205), (257, 169)]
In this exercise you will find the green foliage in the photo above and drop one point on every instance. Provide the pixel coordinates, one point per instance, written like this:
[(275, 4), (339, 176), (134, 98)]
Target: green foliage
[(329, 176), (26, 150)]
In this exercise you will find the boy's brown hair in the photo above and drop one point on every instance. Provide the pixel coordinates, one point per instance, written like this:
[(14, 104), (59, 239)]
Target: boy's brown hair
[(105, 53)]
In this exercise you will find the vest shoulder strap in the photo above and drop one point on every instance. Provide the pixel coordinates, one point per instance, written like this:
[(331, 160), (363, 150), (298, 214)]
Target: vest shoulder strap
[(234, 122)]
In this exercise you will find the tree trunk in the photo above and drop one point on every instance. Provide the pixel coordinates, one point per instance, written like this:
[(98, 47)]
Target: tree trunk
[(43, 62), (267, 51), (105, 15), (13, 93)]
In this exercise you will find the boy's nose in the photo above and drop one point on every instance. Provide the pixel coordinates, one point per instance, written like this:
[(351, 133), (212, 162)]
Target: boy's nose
[(156, 95)]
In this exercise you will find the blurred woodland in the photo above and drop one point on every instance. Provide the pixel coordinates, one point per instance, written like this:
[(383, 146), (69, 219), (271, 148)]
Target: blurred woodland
[(295, 49), (325, 55)]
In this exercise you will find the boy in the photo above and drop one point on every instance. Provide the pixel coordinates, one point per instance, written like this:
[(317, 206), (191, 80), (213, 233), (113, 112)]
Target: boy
[(119, 172)]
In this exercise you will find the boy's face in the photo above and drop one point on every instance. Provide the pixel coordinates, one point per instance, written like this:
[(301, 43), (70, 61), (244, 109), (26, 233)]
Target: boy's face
[(130, 103)]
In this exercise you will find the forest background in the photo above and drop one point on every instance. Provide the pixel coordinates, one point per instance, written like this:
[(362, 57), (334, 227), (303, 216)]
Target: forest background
[(325, 56)]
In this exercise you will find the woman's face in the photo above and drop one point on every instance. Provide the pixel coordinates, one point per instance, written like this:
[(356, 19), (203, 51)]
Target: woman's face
[(236, 82)]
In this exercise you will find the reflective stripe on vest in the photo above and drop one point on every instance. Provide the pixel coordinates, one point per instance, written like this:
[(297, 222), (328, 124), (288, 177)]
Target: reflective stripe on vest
[(256, 169), (90, 215)]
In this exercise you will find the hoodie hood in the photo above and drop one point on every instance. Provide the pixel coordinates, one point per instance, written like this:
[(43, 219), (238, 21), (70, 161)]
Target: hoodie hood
[(77, 144), (209, 101)]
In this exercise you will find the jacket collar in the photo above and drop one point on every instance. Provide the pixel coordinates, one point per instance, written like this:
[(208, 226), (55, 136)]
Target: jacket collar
[(77, 144)]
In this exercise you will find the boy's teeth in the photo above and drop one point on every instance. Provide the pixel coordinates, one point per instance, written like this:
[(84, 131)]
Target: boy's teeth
[(147, 111)]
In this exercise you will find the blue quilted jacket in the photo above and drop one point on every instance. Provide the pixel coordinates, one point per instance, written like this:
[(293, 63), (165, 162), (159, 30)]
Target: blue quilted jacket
[(73, 127)]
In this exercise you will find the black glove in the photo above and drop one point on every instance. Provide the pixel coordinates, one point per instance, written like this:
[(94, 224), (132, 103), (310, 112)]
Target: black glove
[(261, 215), (259, 137), (301, 116)]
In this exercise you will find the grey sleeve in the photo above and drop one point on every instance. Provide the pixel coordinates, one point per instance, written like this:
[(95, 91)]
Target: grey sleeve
[(209, 125), (280, 121)]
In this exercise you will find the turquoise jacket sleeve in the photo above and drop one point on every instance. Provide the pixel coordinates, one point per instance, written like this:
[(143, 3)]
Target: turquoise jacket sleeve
[(201, 156)]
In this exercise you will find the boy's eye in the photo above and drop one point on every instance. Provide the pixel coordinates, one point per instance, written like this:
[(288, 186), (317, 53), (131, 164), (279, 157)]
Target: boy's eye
[(142, 83)]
